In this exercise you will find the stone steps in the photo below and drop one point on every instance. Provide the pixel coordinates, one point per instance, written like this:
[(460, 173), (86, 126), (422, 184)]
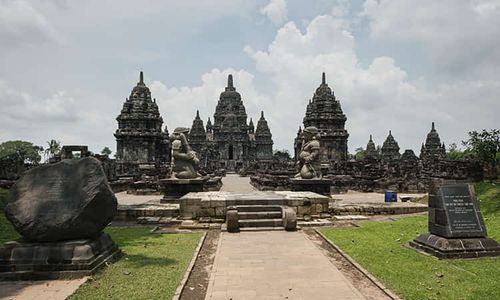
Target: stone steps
[(258, 208), (260, 223), (259, 215)]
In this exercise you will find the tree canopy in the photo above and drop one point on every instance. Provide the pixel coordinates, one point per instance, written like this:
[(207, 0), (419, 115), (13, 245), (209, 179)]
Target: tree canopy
[(20, 151), (106, 151)]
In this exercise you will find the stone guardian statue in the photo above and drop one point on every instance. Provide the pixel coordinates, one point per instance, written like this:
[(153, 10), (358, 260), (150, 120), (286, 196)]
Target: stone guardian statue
[(185, 162), (309, 156)]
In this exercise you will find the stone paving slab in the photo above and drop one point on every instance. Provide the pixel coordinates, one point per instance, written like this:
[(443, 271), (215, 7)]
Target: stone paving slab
[(236, 183), (39, 290), (275, 265)]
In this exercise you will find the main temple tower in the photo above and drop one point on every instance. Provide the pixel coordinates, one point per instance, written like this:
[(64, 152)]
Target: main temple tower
[(230, 129)]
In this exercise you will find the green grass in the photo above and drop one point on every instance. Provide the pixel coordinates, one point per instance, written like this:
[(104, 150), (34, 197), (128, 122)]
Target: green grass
[(152, 268), (7, 232), (380, 248)]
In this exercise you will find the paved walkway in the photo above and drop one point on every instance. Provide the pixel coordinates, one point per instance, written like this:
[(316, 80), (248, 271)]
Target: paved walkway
[(39, 290), (274, 265), (236, 183)]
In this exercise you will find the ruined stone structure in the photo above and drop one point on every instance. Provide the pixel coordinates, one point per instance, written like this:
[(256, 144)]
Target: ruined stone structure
[(141, 145), (325, 113), (230, 143), (407, 172)]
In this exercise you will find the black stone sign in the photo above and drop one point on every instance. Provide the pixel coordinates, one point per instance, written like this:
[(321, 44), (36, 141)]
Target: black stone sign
[(456, 226), (454, 212)]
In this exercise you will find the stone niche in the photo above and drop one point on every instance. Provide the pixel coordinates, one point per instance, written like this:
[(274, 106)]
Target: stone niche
[(456, 225), (60, 211)]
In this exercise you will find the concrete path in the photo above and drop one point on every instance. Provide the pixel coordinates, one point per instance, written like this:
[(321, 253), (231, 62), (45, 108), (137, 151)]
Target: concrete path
[(274, 265), (236, 183), (39, 290)]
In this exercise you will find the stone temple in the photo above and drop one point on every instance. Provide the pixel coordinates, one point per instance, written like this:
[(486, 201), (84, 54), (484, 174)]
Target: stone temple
[(325, 113), (231, 143), (141, 145)]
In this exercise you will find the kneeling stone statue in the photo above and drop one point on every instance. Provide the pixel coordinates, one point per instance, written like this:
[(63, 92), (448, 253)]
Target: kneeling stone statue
[(185, 162), (309, 156)]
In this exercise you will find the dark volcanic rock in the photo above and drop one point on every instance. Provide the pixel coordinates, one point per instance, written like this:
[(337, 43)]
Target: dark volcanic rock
[(63, 201)]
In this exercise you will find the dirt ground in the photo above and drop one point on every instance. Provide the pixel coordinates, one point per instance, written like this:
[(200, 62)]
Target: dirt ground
[(197, 284)]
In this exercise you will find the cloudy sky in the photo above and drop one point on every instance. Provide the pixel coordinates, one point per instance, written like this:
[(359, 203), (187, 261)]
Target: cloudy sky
[(66, 66)]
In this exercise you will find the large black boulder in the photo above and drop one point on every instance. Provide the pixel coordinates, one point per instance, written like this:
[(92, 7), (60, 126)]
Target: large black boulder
[(67, 200)]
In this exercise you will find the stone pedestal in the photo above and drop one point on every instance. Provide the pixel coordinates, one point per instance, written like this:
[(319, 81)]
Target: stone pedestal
[(319, 186), (456, 225), (21, 260), (174, 188), (442, 247)]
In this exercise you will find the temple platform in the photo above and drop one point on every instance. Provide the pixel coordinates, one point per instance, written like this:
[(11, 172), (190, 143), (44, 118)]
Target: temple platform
[(214, 204)]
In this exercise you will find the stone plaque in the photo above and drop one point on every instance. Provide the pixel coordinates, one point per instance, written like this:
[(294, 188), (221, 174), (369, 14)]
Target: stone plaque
[(454, 212)]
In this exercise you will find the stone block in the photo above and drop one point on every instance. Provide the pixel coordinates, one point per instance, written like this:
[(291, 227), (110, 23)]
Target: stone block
[(232, 220)]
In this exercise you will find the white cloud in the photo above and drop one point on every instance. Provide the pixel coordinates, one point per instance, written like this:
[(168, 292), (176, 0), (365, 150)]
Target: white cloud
[(21, 24), (458, 36), (375, 98), (276, 11), (71, 118)]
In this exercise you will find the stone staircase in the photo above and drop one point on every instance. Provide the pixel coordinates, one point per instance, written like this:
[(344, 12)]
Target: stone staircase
[(259, 218)]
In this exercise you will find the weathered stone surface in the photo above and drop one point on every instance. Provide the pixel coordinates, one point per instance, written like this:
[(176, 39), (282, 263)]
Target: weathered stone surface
[(232, 220), (442, 247), (67, 200), (21, 260), (174, 188), (289, 219), (320, 186)]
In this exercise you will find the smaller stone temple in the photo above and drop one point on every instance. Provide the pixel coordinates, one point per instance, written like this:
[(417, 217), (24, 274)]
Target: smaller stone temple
[(390, 150), (325, 113), (432, 149), (371, 151), (141, 145), (263, 139)]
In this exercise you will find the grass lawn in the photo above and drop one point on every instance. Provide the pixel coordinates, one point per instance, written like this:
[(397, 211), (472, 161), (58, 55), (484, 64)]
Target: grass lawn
[(380, 248), (152, 268)]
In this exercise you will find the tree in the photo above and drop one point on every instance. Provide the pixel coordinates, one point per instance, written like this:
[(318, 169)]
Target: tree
[(455, 153), (106, 151), (20, 152), (360, 154), (282, 155), (53, 148), (485, 146)]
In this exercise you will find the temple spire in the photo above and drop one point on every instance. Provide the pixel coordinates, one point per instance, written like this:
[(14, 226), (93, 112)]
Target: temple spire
[(197, 114), (323, 78), (371, 140), (433, 128), (262, 114), (141, 78), (230, 81)]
